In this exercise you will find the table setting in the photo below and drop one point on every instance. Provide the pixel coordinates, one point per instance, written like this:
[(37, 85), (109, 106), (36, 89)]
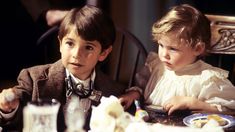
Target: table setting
[(110, 116)]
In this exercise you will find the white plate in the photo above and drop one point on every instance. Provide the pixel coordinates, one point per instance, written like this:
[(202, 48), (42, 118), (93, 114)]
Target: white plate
[(190, 119)]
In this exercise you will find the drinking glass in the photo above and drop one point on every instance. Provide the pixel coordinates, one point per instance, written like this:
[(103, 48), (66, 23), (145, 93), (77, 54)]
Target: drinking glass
[(41, 116)]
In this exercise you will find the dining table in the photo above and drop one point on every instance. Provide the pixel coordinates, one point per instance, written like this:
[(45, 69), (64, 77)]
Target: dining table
[(176, 119)]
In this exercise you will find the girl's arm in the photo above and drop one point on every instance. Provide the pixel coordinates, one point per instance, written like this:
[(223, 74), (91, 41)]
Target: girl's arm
[(190, 103)]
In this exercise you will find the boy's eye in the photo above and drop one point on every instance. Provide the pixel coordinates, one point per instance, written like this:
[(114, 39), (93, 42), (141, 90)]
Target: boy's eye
[(89, 47), (69, 43)]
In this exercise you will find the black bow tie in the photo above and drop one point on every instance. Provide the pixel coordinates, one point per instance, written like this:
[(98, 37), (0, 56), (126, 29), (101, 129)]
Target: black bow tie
[(77, 88)]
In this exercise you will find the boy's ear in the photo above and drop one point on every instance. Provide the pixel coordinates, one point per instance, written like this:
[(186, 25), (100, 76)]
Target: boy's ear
[(60, 41), (199, 48), (105, 53)]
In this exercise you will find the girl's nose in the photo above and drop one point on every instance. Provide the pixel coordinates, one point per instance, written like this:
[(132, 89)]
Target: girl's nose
[(165, 53)]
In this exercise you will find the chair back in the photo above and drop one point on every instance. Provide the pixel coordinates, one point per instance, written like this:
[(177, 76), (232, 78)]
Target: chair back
[(223, 43), (127, 57), (49, 42)]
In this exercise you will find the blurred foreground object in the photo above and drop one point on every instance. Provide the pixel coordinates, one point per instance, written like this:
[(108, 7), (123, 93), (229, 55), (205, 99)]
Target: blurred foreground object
[(111, 117), (74, 118), (140, 113), (41, 116)]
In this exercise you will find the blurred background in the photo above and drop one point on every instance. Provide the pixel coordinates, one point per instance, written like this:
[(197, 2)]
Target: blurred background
[(22, 24)]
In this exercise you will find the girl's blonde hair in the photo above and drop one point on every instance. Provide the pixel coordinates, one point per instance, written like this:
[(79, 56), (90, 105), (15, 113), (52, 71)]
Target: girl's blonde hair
[(186, 23)]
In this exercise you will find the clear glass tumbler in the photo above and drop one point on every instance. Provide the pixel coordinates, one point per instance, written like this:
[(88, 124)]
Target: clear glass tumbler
[(41, 116)]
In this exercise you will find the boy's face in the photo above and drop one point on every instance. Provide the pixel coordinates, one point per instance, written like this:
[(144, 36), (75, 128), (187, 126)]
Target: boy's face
[(80, 56), (175, 54)]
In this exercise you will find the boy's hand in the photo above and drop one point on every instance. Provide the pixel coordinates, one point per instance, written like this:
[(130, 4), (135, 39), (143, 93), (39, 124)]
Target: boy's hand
[(8, 100), (128, 98)]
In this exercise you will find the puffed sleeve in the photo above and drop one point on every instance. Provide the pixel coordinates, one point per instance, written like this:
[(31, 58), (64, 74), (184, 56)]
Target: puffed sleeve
[(217, 90)]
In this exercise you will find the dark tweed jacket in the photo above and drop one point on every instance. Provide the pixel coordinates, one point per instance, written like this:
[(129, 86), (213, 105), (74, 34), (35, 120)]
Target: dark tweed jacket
[(48, 81)]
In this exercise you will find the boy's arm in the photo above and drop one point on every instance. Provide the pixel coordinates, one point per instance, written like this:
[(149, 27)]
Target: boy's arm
[(140, 81), (135, 92), (7, 116), (11, 104), (142, 76), (8, 105)]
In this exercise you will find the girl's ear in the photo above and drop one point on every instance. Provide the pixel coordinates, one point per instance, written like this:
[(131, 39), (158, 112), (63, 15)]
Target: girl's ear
[(199, 48), (105, 53)]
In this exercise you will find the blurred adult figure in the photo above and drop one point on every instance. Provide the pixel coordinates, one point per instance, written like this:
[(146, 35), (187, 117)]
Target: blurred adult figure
[(46, 13)]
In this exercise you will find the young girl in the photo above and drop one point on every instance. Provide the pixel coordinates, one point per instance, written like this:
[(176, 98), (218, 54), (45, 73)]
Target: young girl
[(176, 78)]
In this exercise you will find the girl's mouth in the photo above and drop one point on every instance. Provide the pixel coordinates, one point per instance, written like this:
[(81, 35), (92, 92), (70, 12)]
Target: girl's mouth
[(166, 63)]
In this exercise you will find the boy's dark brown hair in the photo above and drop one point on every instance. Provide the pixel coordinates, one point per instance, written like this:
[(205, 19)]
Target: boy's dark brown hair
[(90, 23), (187, 23)]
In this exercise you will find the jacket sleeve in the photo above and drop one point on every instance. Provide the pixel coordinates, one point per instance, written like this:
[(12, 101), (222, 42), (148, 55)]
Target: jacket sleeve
[(142, 76)]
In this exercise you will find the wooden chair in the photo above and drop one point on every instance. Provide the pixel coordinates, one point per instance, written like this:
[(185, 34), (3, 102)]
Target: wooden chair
[(127, 57), (223, 43), (49, 44)]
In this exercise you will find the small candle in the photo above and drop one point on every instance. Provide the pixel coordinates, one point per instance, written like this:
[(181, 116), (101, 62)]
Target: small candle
[(140, 113)]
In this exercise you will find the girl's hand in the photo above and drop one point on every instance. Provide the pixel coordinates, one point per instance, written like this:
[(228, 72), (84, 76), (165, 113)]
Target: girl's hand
[(128, 98), (183, 102), (8, 100), (178, 103)]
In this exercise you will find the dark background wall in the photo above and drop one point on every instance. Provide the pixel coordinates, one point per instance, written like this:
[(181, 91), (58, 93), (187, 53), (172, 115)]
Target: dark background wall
[(17, 39)]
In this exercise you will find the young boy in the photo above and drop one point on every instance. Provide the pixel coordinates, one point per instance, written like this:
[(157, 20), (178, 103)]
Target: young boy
[(86, 37)]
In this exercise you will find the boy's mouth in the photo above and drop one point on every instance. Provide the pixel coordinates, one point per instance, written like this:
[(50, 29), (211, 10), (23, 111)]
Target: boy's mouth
[(77, 64)]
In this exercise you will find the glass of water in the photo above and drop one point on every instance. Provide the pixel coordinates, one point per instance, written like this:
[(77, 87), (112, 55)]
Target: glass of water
[(41, 116)]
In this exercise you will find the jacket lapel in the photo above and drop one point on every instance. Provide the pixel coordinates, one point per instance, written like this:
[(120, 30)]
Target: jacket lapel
[(53, 82)]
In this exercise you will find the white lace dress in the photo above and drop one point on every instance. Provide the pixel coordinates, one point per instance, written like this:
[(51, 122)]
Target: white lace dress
[(199, 80)]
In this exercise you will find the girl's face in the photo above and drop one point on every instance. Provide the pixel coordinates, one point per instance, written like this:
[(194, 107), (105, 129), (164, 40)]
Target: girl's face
[(80, 56), (176, 54)]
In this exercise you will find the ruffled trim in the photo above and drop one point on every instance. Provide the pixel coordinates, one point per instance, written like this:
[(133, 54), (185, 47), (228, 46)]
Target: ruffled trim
[(212, 74)]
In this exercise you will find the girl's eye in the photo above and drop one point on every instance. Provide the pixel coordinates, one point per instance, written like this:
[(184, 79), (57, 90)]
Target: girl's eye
[(89, 47), (174, 49)]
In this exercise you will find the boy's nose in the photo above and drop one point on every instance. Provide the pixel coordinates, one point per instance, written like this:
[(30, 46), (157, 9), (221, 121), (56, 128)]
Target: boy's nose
[(77, 52)]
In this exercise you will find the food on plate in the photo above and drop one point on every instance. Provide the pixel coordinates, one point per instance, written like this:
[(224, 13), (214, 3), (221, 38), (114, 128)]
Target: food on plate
[(202, 121), (217, 118)]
